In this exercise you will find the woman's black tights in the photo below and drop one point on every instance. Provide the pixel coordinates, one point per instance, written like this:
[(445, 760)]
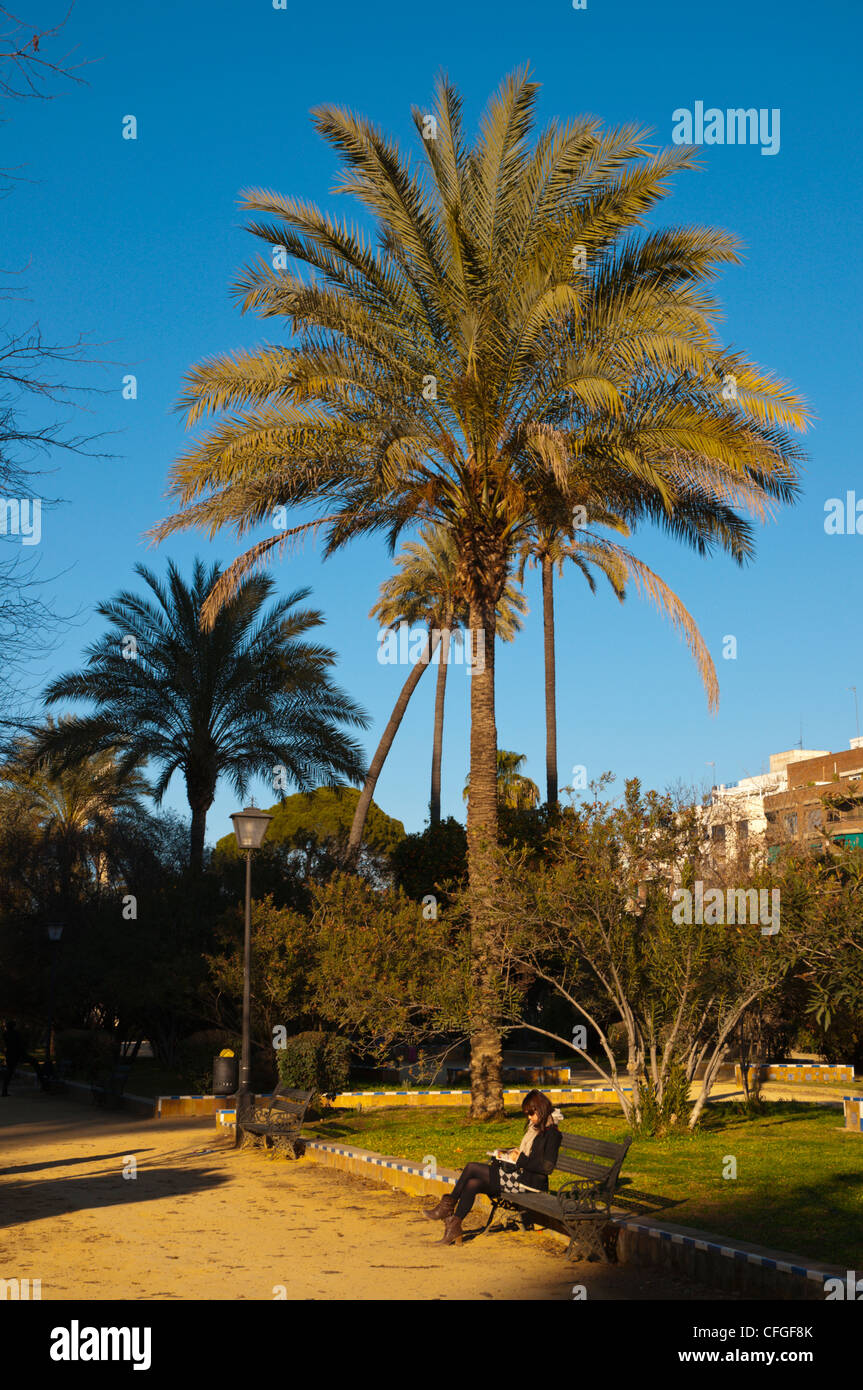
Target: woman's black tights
[(473, 1179)]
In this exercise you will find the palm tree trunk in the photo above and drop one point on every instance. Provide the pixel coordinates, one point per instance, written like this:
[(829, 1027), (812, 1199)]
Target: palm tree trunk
[(383, 748), (437, 747), (196, 842), (550, 691), (486, 1090)]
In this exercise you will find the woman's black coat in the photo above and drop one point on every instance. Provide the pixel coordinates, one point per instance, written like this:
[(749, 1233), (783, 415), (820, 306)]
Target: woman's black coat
[(536, 1166)]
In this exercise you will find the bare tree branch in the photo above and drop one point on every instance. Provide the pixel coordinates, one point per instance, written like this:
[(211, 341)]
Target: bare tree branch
[(26, 58)]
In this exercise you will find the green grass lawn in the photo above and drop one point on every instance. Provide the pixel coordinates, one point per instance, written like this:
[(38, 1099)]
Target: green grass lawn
[(799, 1184)]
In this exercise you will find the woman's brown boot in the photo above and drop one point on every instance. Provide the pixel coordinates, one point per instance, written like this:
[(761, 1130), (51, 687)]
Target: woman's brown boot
[(443, 1210), (451, 1231)]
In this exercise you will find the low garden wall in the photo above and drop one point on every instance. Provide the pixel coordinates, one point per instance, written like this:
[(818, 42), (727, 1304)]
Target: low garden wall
[(167, 1106), (853, 1106), (798, 1071), (170, 1106)]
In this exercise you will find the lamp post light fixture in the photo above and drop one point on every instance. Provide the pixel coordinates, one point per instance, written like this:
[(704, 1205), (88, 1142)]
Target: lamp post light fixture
[(250, 827)]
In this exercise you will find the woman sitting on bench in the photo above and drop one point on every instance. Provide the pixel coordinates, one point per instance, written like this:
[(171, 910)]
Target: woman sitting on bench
[(524, 1169)]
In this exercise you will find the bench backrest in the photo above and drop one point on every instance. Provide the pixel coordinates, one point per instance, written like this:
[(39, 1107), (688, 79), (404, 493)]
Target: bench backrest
[(290, 1102), (601, 1163)]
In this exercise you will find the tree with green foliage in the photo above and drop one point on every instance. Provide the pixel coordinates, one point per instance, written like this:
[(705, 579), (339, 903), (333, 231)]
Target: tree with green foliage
[(600, 911), (65, 826), (245, 696), (311, 830), (427, 860), (503, 324), (283, 956), (514, 791), (822, 895), (387, 971)]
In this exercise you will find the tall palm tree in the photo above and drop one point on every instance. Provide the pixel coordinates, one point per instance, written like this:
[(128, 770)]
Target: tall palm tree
[(514, 790), (550, 547), (72, 809), (425, 590), (245, 696), (502, 324), (65, 800)]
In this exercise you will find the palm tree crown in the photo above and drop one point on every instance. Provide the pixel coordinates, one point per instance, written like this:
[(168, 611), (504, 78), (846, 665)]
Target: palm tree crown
[(514, 790), (246, 696), (66, 800)]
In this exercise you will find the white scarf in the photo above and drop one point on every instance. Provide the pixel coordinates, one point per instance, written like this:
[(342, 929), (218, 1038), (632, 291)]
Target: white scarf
[(530, 1133)]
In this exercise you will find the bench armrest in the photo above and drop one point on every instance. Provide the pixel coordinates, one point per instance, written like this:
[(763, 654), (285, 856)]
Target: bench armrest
[(583, 1195)]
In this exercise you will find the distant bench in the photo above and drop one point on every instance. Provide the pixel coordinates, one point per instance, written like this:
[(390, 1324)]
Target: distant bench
[(278, 1124), (583, 1205), (107, 1088)]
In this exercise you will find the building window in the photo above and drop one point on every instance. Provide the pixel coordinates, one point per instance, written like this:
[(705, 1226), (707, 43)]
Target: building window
[(743, 830), (718, 834), (791, 823), (816, 818)]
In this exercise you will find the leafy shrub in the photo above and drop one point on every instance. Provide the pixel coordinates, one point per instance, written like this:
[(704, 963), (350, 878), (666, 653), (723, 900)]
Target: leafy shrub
[(318, 1062), (424, 861), (669, 1114), (85, 1049)]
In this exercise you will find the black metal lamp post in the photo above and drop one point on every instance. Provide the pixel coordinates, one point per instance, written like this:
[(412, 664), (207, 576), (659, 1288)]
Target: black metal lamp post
[(55, 931), (250, 827)]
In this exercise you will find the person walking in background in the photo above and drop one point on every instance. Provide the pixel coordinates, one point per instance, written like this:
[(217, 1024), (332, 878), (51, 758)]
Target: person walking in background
[(511, 1170), (15, 1052)]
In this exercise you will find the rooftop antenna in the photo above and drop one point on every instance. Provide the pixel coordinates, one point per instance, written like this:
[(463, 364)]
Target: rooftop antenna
[(856, 710)]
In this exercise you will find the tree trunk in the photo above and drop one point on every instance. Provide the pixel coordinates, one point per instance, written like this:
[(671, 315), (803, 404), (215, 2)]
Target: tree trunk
[(360, 814), (710, 1074), (437, 747), (550, 691), (199, 828), (482, 822)]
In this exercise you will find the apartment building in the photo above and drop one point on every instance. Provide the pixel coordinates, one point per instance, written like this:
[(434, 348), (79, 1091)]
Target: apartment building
[(736, 820), (822, 800), (809, 796)]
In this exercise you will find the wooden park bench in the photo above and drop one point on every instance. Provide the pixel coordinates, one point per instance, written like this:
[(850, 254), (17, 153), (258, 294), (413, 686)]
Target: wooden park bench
[(107, 1088), (582, 1205), (277, 1124), (56, 1075)]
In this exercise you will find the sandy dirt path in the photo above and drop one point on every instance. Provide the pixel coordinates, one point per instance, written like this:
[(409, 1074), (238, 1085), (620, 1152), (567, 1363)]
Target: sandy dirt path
[(202, 1220)]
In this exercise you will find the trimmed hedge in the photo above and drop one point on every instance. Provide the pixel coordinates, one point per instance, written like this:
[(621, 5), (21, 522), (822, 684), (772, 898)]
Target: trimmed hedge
[(318, 1062)]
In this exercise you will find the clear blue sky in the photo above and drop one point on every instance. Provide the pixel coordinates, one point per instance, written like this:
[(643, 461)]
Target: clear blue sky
[(135, 244)]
